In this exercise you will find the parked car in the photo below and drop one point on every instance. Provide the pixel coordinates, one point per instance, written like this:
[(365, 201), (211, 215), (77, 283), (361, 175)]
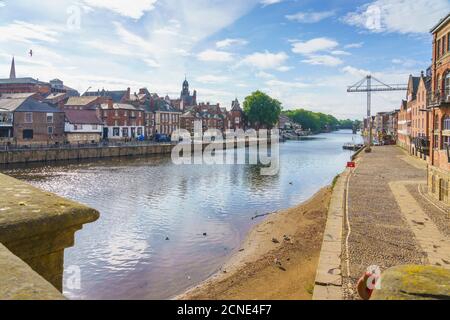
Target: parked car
[(162, 138)]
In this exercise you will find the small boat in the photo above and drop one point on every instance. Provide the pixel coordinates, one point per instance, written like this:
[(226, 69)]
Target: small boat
[(352, 146)]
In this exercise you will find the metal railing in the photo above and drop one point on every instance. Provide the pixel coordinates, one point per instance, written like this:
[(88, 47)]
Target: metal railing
[(439, 97)]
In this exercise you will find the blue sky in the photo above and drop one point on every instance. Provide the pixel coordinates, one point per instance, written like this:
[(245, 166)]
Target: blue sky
[(302, 52)]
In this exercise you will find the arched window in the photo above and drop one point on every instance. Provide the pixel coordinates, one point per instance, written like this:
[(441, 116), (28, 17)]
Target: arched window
[(446, 123), (447, 83)]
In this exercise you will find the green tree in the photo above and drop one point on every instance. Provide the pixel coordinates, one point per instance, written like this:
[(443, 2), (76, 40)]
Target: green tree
[(261, 110)]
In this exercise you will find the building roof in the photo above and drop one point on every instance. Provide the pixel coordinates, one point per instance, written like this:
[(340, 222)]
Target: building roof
[(82, 117), (441, 23), (26, 105), (80, 101), (235, 106), (26, 80), (116, 95), (123, 106), (17, 95)]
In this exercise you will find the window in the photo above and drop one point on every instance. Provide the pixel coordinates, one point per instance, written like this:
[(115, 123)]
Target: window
[(116, 113), (443, 190), (78, 127), (438, 49), (446, 123), (116, 132), (27, 134), (139, 131), (443, 45), (448, 42), (125, 113), (433, 184), (446, 142), (125, 132), (28, 117), (94, 127), (50, 130), (436, 142), (49, 117)]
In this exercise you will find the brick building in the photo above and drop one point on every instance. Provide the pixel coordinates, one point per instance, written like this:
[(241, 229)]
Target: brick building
[(439, 117), (235, 118), (14, 84), (420, 139), (404, 126), (82, 126), (122, 121), (29, 121)]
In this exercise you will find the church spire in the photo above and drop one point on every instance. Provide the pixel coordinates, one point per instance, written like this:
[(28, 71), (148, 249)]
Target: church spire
[(12, 73)]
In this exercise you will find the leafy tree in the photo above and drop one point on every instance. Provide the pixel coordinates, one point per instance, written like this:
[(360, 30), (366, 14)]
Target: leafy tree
[(317, 121), (261, 110)]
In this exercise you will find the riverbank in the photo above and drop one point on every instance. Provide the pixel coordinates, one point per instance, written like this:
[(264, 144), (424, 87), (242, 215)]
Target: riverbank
[(278, 259)]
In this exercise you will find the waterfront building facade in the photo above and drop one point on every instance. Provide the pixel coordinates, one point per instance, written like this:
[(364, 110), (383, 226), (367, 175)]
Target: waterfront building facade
[(122, 121), (82, 126), (26, 120), (404, 126), (235, 118), (439, 112)]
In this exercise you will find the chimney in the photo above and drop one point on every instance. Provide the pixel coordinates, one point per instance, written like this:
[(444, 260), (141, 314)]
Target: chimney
[(128, 94), (12, 73)]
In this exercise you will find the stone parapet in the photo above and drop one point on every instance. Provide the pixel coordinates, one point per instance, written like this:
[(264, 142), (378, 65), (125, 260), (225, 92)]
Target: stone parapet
[(37, 226)]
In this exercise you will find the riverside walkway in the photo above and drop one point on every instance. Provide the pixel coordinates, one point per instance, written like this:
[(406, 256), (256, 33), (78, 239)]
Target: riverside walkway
[(389, 219)]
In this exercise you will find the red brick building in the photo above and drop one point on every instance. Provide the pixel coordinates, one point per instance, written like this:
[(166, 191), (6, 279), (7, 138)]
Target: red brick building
[(439, 118), (122, 121), (29, 121), (404, 126), (235, 118)]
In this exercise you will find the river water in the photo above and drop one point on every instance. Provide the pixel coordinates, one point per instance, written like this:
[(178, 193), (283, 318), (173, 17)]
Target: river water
[(144, 201)]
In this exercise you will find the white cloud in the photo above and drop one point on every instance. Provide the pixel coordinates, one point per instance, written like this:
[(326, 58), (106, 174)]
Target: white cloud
[(286, 84), (20, 31), (355, 71), (354, 45), (230, 42), (151, 63), (325, 60), (215, 55), (314, 45), (211, 79), (266, 60), (264, 75), (266, 3), (402, 16), (340, 53), (134, 10), (310, 17), (284, 68)]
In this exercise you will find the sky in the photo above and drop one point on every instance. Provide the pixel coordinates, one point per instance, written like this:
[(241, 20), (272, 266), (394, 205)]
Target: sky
[(302, 52)]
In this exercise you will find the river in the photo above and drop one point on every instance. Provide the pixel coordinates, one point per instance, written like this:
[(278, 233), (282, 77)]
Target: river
[(149, 241)]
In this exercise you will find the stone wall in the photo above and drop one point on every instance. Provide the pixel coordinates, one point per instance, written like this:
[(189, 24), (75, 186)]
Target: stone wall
[(63, 154), (35, 228)]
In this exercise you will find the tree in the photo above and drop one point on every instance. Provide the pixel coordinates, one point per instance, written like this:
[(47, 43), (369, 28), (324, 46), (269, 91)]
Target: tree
[(261, 110)]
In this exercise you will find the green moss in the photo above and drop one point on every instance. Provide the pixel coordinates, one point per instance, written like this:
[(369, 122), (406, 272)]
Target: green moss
[(335, 181)]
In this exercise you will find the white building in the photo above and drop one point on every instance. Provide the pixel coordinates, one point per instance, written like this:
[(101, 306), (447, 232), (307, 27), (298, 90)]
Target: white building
[(83, 126)]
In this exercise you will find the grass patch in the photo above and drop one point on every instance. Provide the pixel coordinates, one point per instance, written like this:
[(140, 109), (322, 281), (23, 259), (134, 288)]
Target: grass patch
[(335, 181)]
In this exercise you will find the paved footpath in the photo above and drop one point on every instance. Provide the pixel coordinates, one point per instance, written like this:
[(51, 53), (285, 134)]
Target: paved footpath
[(390, 220)]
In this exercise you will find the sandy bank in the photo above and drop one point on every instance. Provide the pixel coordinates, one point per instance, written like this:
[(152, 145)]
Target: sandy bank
[(278, 259)]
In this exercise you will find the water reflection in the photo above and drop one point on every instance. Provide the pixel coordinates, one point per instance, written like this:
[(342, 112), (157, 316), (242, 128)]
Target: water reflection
[(144, 201)]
